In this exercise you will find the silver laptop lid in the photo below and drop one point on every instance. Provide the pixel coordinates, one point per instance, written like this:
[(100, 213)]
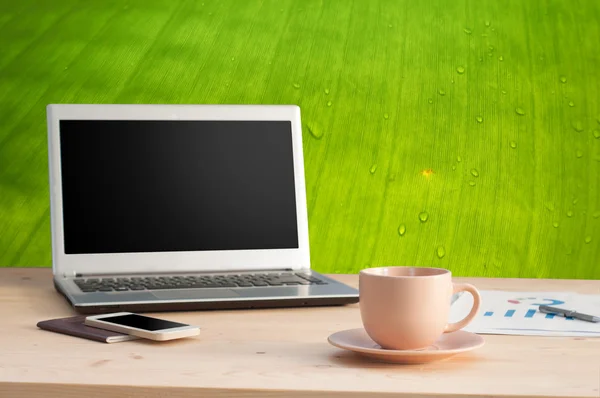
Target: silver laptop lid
[(176, 188)]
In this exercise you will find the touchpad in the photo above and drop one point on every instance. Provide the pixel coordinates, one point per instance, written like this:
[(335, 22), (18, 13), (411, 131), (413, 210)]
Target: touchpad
[(194, 294)]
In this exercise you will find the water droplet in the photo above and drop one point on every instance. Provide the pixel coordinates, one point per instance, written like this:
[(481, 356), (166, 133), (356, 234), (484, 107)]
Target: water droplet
[(441, 91), (474, 172), (327, 91), (491, 48), (520, 111), (596, 134), (513, 144), (493, 29), (579, 154), (549, 206), (467, 31), (487, 23), (460, 70), (296, 85), (575, 201), (423, 216), (210, 13), (441, 252), (373, 169), (504, 92), (555, 224), (315, 131), (570, 213), (472, 183), (453, 167), (577, 125), (501, 58), (596, 214), (328, 103), (401, 229), (588, 239), (479, 119), (458, 159), (563, 79), (571, 104), (233, 58), (386, 116), (390, 26), (430, 100), (452, 81), (66, 67)]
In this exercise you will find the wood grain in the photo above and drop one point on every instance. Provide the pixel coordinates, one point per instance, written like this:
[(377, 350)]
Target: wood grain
[(272, 353)]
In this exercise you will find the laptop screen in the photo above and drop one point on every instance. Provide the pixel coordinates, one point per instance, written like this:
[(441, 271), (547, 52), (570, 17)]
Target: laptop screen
[(151, 186)]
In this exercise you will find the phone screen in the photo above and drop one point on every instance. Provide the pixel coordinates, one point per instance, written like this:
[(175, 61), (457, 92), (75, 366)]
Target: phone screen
[(142, 322)]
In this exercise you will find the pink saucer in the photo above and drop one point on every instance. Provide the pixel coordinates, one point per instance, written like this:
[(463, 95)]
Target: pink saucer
[(447, 345)]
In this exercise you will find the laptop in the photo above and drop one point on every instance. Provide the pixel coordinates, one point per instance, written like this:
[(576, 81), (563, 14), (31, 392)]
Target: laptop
[(181, 207)]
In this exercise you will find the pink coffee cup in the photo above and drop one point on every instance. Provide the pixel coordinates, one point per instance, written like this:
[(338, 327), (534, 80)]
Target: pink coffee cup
[(407, 308)]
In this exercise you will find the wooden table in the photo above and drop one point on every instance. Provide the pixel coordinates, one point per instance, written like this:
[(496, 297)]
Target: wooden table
[(268, 353)]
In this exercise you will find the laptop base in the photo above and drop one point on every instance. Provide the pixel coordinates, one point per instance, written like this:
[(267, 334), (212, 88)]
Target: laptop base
[(216, 305)]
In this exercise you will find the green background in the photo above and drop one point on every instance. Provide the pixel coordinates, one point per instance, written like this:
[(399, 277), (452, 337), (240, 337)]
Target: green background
[(503, 157)]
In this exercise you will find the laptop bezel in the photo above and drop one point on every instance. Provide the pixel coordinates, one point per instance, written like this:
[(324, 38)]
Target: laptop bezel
[(176, 262)]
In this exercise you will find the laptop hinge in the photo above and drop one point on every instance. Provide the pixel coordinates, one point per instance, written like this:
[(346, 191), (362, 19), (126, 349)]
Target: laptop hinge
[(100, 274), (72, 275)]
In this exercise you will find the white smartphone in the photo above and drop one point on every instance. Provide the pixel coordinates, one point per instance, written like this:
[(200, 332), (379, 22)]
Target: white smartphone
[(142, 326)]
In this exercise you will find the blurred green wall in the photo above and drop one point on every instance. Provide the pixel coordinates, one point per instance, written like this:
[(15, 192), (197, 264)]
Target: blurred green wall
[(460, 134)]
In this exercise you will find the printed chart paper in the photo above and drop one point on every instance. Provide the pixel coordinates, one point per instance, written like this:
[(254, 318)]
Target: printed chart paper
[(517, 313)]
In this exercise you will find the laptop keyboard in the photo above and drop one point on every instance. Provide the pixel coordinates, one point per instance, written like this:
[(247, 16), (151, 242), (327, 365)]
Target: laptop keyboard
[(196, 282)]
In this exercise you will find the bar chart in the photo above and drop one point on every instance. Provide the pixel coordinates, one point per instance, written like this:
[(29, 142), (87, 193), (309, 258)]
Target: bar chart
[(520, 302), (529, 314)]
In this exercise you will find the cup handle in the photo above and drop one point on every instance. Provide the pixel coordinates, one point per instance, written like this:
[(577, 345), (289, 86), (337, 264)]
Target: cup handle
[(465, 287)]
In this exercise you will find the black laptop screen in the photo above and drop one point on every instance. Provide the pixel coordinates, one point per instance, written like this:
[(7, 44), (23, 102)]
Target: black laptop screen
[(151, 186)]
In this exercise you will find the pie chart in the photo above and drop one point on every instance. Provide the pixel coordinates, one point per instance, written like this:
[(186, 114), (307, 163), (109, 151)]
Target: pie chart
[(535, 301)]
